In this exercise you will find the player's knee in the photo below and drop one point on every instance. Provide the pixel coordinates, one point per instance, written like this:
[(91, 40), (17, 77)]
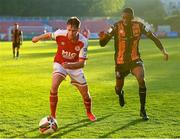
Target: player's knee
[(120, 76), (141, 81), (140, 76), (54, 90), (142, 84), (55, 86), (118, 90)]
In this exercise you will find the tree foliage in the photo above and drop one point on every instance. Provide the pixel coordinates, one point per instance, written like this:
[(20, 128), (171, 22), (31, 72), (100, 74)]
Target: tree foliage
[(60, 7), (105, 7), (174, 21), (150, 10)]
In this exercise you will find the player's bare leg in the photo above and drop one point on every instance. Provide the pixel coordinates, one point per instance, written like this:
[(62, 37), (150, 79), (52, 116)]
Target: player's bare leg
[(17, 52), (119, 91), (138, 72), (56, 80), (87, 101), (13, 48)]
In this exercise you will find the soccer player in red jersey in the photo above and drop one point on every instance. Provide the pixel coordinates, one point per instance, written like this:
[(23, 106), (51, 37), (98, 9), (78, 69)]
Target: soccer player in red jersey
[(127, 33), (69, 60)]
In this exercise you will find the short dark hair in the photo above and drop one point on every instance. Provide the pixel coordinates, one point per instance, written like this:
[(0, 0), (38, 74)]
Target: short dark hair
[(129, 11), (74, 21)]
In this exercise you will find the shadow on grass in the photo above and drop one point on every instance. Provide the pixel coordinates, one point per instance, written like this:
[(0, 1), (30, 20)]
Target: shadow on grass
[(134, 122), (23, 134), (71, 127)]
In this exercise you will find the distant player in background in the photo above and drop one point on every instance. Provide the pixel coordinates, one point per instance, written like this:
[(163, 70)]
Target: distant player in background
[(45, 31), (127, 33), (86, 32), (17, 38), (69, 60)]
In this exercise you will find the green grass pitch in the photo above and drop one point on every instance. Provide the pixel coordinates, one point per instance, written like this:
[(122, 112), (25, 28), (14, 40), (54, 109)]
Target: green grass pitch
[(25, 85)]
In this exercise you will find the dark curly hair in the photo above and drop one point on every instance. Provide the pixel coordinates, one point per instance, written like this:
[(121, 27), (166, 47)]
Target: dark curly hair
[(129, 11)]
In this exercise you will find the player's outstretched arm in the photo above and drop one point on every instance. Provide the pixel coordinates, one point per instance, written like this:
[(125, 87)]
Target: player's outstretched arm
[(166, 55), (74, 65), (41, 37), (159, 45), (103, 38)]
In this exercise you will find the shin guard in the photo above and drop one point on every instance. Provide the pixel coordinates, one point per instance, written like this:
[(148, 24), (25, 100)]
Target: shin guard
[(142, 96)]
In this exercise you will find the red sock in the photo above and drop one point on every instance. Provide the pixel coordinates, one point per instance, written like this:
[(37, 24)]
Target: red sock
[(90, 115), (87, 104), (53, 103)]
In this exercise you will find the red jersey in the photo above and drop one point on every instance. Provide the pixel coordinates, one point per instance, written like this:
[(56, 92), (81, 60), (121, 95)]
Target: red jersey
[(68, 51)]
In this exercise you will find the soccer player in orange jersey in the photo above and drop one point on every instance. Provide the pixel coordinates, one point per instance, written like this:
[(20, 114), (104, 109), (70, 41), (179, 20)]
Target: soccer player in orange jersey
[(69, 60), (127, 33), (17, 36)]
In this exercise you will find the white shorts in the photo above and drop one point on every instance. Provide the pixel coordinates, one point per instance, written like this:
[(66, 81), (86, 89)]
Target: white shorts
[(77, 75)]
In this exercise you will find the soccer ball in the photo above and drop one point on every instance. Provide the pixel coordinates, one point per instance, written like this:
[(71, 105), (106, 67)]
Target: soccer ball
[(48, 125)]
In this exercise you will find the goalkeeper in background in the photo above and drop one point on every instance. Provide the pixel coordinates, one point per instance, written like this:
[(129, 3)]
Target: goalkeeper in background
[(127, 33)]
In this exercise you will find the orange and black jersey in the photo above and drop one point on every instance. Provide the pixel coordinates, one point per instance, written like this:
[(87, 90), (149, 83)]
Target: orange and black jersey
[(126, 39), (16, 36)]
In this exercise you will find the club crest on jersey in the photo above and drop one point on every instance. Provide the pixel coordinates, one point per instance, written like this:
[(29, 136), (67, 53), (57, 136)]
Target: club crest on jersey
[(62, 43), (68, 55), (121, 31), (77, 48)]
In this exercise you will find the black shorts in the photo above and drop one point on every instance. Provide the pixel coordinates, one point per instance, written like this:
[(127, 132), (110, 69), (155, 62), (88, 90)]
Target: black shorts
[(16, 45), (122, 70)]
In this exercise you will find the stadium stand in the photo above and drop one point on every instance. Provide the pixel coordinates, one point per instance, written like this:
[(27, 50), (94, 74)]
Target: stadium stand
[(95, 25), (33, 26), (57, 24)]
